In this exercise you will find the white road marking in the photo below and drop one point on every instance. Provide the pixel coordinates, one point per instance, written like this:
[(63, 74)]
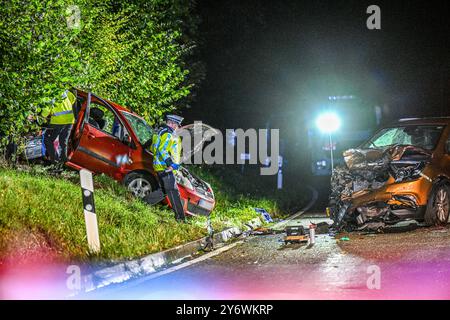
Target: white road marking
[(182, 265), (194, 261)]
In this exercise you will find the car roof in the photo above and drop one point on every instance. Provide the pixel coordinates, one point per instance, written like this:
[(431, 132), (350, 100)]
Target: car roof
[(118, 106), (424, 121)]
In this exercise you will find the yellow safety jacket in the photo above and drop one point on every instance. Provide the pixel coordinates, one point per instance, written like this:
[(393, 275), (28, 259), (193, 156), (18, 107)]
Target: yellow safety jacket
[(61, 111), (166, 149)]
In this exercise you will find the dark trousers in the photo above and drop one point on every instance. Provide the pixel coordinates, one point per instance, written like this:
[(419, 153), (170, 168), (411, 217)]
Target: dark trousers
[(170, 186), (51, 133)]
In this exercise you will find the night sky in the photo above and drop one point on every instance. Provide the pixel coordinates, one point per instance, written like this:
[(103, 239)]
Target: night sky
[(283, 58)]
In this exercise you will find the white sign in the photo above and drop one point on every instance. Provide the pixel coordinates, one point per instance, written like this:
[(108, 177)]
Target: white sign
[(90, 217)]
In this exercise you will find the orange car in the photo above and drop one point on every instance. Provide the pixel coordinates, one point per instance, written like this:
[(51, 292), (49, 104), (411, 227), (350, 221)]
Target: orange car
[(401, 173)]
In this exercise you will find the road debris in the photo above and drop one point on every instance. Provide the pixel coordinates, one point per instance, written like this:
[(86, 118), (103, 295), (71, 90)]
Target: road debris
[(262, 231), (322, 228), (264, 214), (209, 243), (295, 234), (312, 233)]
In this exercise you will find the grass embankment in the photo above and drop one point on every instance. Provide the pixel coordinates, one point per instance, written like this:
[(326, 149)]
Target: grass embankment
[(40, 211)]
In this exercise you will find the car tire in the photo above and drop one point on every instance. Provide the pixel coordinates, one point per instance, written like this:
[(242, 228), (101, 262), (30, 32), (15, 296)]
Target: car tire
[(437, 211), (140, 184)]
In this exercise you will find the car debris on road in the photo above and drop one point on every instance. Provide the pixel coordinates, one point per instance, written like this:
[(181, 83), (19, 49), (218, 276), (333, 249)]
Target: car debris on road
[(262, 231), (264, 214), (295, 234), (322, 228)]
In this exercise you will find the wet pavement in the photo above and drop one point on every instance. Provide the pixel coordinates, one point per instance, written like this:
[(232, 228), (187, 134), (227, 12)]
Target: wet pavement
[(409, 265)]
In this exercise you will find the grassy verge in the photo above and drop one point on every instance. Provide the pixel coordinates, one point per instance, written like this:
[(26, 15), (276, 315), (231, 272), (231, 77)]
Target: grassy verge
[(49, 209)]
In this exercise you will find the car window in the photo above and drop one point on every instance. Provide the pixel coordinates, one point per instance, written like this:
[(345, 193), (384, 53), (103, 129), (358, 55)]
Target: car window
[(140, 127), (423, 136), (392, 136), (104, 119)]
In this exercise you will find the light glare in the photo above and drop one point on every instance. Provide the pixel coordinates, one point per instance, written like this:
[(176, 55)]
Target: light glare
[(328, 122)]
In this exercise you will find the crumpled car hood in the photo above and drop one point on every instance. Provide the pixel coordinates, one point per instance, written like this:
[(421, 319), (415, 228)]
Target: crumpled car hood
[(379, 159)]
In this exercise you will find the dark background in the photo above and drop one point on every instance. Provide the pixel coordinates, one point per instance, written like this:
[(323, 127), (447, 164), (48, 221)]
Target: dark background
[(277, 57), (277, 62)]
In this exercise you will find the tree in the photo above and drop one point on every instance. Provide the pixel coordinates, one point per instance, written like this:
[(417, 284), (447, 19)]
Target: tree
[(136, 53)]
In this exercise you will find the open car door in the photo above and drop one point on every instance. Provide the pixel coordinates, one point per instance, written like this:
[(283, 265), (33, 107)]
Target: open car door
[(99, 138), (81, 120)]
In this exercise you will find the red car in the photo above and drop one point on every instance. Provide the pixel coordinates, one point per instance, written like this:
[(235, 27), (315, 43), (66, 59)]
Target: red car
[(108, 138)]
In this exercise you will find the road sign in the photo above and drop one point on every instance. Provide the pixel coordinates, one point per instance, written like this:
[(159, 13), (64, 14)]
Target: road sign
[(90, 217)]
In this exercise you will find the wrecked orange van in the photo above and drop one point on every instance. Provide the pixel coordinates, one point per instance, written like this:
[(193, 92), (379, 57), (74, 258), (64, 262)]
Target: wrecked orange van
[(402, 173)]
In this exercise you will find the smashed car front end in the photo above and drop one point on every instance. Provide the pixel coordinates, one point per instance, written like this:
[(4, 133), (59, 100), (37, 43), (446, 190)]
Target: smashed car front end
[(196, 194), (378, 188)]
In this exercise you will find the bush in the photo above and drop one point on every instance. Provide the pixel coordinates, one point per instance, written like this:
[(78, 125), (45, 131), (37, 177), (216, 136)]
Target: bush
[(132, 52)]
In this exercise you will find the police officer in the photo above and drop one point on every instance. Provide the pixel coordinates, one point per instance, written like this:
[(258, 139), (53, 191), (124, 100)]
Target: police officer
[(61, 122), (166, 149)]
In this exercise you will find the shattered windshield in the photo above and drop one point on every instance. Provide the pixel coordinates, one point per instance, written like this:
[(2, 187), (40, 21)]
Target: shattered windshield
[(423, 136), (141, 128)]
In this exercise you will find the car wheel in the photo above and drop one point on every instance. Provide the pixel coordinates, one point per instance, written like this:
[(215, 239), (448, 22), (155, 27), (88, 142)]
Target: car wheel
[(140, 184), (437, 211)]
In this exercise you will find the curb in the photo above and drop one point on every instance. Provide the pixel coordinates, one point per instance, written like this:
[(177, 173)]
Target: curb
[(162, 260), (155, 262)]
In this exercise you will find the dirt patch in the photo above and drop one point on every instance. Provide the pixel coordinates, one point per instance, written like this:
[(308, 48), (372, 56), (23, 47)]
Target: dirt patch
[(423, 244)]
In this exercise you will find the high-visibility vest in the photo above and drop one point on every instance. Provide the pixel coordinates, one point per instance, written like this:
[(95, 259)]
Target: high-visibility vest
[(166, 149), (61, 112)]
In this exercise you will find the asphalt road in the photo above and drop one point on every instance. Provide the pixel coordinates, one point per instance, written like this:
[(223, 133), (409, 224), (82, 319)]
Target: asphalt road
[(410, 265)]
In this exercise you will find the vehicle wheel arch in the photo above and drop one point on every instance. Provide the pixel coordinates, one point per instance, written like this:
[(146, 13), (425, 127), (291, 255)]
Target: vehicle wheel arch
[(441, 179), (439, 182), (140, 174)]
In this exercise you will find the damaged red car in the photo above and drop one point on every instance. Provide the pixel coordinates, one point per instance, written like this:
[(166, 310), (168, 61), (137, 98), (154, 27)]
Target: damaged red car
[(402, 173), (108, 138)]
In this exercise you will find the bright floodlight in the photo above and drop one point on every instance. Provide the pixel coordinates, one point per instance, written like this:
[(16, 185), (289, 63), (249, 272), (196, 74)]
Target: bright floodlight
[(328, 122)]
